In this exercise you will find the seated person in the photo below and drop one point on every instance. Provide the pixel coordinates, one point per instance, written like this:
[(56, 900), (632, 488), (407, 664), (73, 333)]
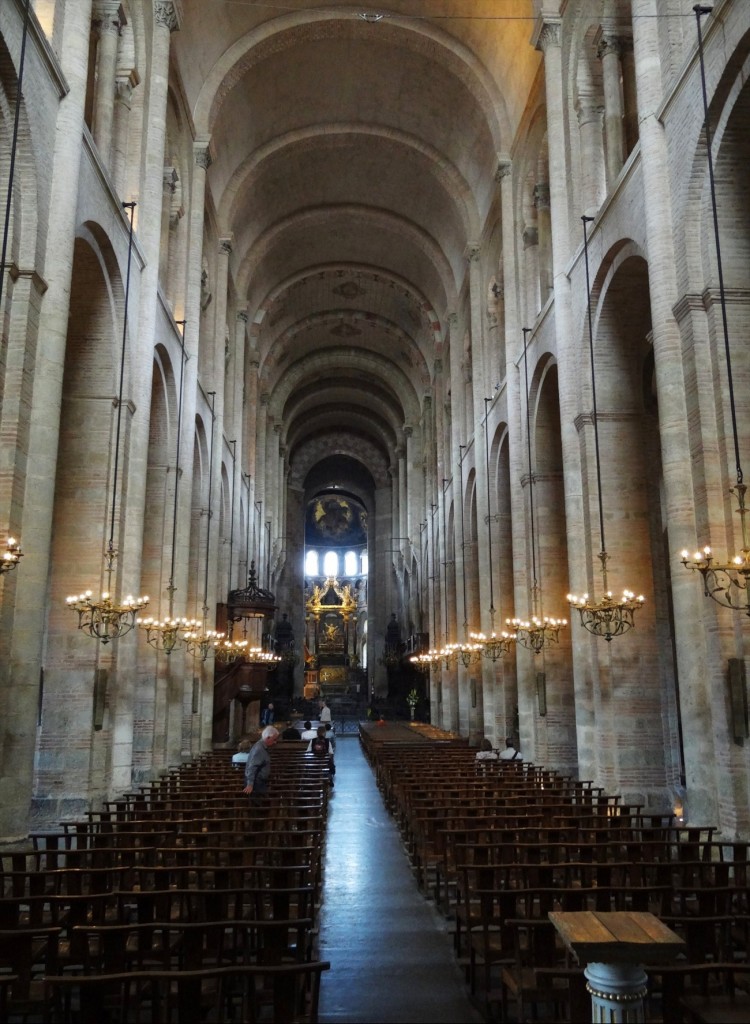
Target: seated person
[(290, 733), (510, 753), (321, 746), (485, 752), (243, 749), (308, 733)]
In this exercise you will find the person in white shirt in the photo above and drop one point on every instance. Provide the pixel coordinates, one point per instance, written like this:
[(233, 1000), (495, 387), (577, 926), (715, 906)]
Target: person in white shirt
[(325, 713), (485, 752), (308, 732), (243, 750), (510, 753)]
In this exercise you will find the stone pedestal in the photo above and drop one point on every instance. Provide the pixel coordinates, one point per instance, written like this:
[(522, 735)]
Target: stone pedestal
[(613, 946)]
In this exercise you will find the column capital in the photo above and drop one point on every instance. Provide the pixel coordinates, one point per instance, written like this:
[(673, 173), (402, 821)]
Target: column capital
[(202, 154), (541, 196), (408, 430), (168, 13), (530, 237), (609, 43), (472, 252), (452, 319), (547, 33), (124, 85), (169, 180), (243, 315), (589, 113), (437, 366), (226, 246), (106, 16), (265, 398), (504, 167)]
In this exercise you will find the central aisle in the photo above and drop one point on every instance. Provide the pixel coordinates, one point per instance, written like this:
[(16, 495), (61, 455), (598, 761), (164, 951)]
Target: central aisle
[(391, 957)]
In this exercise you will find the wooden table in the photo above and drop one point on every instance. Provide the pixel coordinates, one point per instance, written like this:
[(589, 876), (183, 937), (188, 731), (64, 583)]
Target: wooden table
[(613, 947)]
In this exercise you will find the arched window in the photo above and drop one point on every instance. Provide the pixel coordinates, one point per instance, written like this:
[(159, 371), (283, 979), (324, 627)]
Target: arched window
[(331, 564), (350, 564), (365, 562), (312, 563)]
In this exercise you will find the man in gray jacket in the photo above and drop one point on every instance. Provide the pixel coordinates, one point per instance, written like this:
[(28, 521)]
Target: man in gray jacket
[(258, 767)]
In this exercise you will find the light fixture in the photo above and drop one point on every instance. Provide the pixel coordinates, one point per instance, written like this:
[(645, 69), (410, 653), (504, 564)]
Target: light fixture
[(11, 556), (202, 642), (611, 616), (540, 631), (229, 650), (724, 582), (371, 17), (255, 604), (163, 635), (106, 619)]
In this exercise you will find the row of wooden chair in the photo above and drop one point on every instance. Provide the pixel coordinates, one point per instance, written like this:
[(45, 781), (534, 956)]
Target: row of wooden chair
[(194, 905), (500, 846)]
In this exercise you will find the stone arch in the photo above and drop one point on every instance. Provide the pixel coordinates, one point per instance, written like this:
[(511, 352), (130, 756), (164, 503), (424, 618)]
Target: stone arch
[(363, 272), (368, 217), (383, 370), (273, 36), (444, 173)]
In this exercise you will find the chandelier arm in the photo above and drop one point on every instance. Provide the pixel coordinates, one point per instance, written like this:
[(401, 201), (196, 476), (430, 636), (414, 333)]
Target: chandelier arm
[(699, 12)]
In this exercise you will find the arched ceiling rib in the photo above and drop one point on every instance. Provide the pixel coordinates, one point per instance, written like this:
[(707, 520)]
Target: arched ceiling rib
[(352, 164)]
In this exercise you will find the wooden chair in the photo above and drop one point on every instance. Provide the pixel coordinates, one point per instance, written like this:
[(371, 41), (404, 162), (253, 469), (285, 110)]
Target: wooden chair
[(286, 994)]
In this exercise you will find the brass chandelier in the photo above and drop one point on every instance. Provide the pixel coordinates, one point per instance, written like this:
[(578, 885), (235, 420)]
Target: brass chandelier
[(609, 617), (11, 556), (728, 582), (106, 619), (540, 631)]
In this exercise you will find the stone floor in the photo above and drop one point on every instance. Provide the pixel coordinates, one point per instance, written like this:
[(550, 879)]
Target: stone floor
[(391, 956)]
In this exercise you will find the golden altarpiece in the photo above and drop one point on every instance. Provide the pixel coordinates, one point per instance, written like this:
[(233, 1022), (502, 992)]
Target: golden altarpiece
[(330, 641)]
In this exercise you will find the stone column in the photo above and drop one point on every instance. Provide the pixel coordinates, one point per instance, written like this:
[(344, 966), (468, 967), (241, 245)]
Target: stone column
[(251, 410), (609, 53), (260, 478), (531, 270), (169, 187), (480, 361), (21, 673), (148, 221), (560, 674), (234, 419), (544, 236), (590, 120), (124, 85), (403, 522), (107, 26), (693, 658), (630, 97)]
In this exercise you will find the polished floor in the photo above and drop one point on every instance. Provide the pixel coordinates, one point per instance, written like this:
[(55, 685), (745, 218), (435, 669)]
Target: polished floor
[(391, 956)]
